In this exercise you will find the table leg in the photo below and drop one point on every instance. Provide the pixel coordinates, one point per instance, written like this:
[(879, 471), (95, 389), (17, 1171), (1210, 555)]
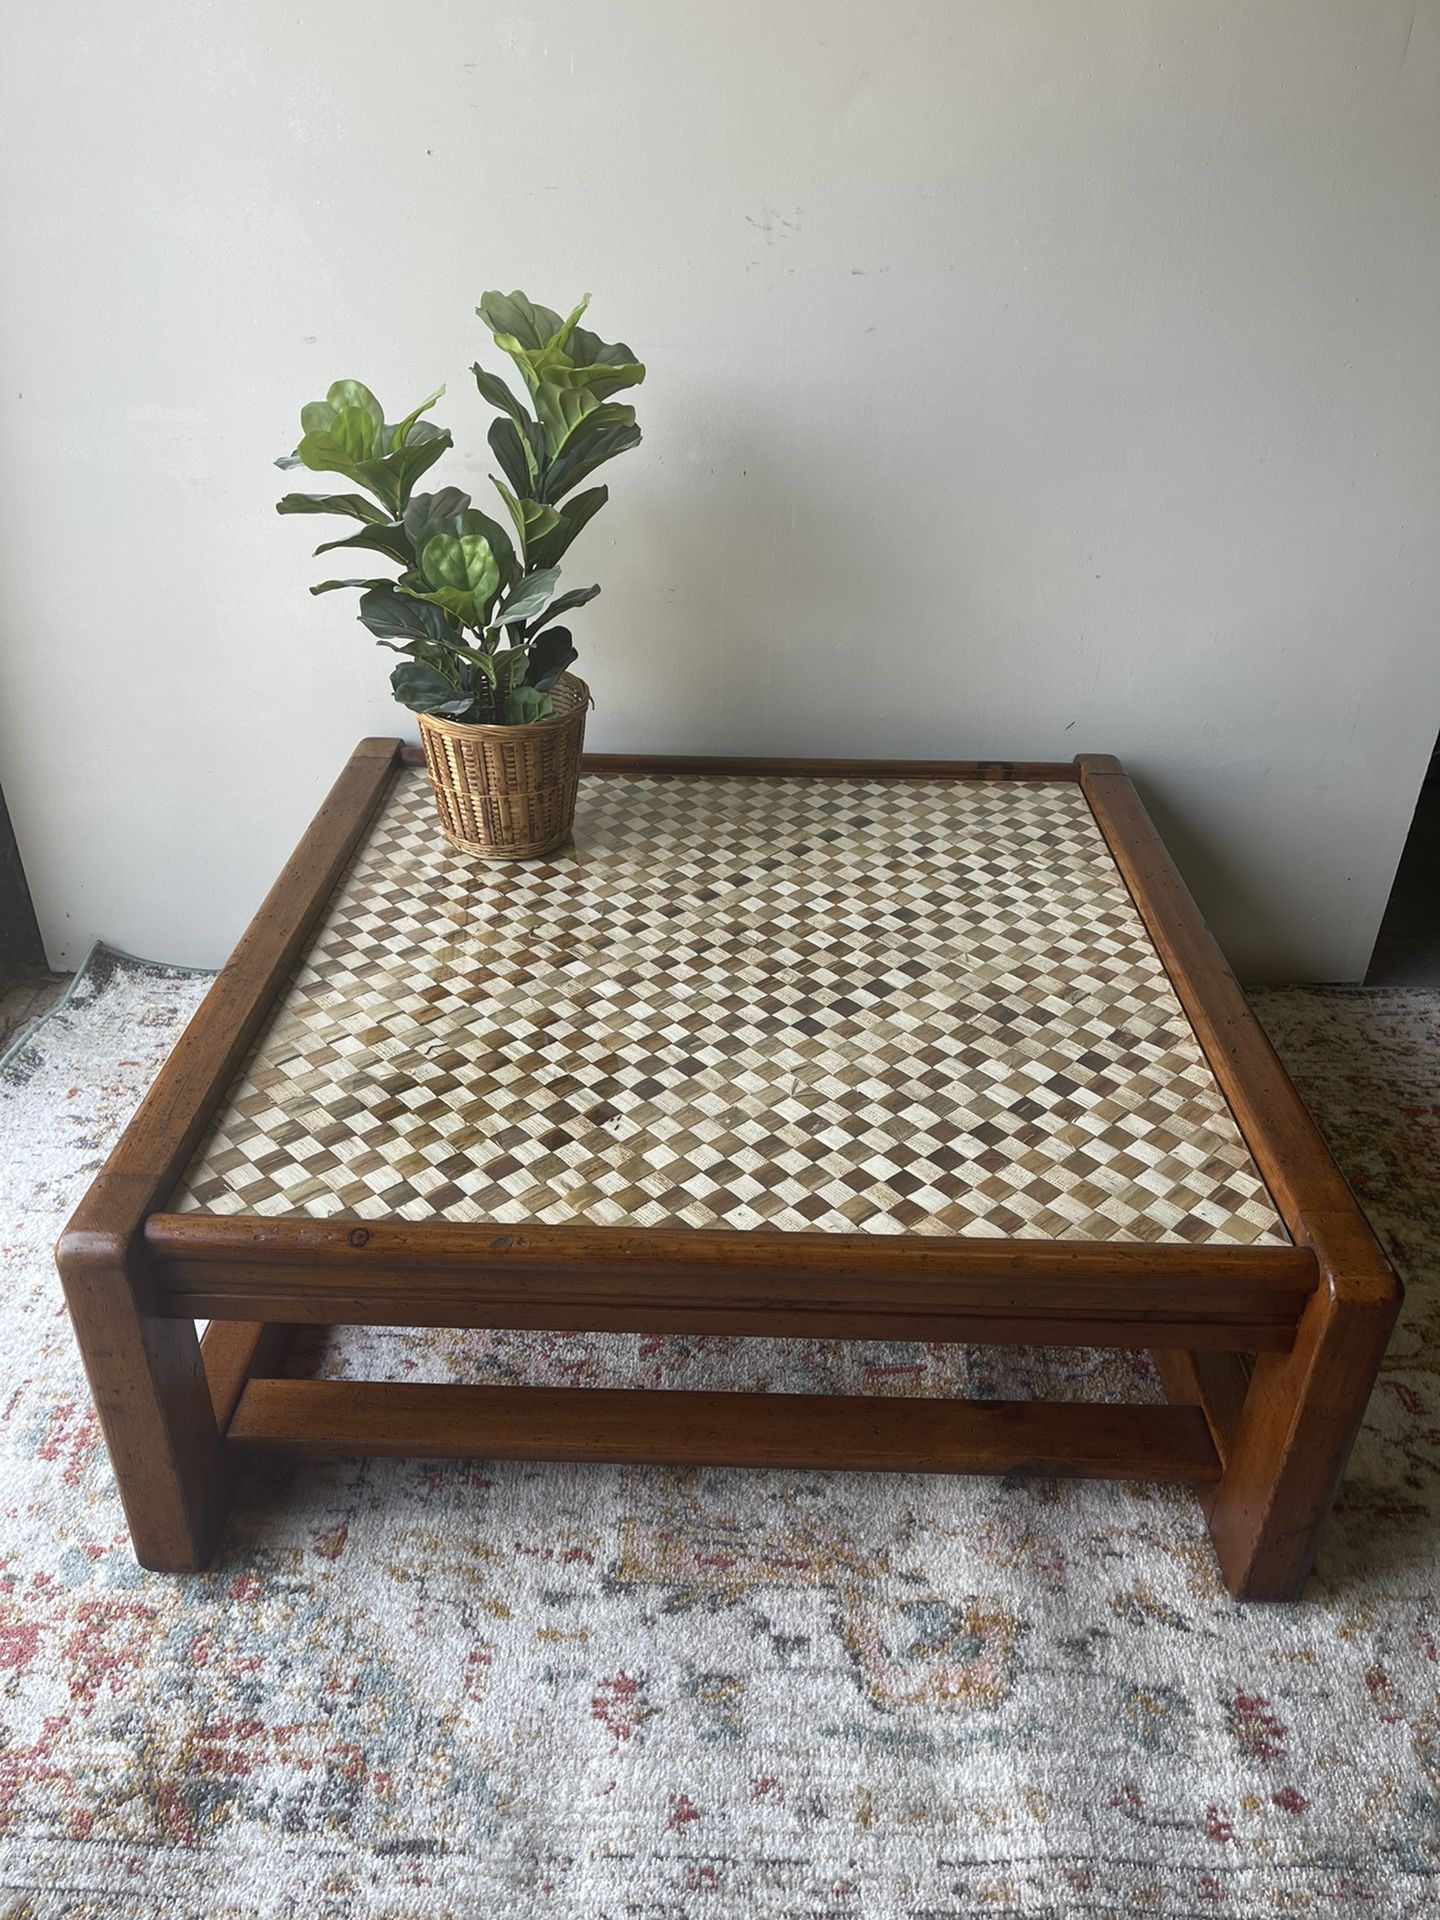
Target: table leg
[(153, 1402), (1284, 1432)]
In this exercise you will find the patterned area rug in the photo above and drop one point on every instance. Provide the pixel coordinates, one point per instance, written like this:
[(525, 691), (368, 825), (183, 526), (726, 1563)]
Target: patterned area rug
[(410, 1689)]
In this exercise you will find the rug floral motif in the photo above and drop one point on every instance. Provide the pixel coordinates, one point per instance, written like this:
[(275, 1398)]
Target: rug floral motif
[(510, 1689)]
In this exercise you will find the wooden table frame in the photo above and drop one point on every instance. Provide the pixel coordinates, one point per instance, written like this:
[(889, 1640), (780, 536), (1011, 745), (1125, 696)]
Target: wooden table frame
[(1267, 1353)]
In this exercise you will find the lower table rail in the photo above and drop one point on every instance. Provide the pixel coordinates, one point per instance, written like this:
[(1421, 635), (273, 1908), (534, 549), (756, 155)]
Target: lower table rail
[(445, 1421)]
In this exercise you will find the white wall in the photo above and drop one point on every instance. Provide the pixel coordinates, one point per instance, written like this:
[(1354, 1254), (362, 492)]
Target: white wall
[(1023, 378)]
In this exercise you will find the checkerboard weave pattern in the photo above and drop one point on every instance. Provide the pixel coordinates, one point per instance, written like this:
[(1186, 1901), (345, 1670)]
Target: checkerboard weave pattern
[(833, 1005)]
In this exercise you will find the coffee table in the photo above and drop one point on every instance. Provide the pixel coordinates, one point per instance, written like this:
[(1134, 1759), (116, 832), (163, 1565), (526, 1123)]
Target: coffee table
[(911, 1051)]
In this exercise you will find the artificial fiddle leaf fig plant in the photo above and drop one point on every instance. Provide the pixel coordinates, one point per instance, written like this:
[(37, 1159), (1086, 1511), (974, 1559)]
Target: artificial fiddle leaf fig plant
[(474, 605)]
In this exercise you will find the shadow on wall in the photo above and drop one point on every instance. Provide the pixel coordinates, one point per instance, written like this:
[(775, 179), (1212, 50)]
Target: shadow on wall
[(1247, 921)]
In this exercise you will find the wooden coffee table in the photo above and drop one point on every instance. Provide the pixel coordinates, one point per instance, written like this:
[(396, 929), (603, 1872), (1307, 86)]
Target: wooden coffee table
[(848, 1050)]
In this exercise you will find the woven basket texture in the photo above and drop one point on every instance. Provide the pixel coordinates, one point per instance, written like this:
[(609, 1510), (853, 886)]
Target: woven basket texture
[(508, 793)]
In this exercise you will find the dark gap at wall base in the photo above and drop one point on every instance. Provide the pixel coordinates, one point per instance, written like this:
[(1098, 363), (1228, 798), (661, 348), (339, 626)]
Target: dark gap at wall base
[(1407, 948), (21, 950)]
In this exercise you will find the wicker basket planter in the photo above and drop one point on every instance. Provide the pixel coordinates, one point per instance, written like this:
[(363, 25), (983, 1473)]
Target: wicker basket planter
[(508, 793)]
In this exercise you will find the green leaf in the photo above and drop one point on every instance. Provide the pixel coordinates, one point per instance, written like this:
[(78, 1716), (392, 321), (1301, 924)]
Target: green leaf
[(347, 434), (430, 513), (557, 355), (494, 389), (550, 654), (462, 573), (510, 665), (576, 597), (354, 394), (533, 519), (353, 504), (460, 560), (433, 656), (550, 363), (562, 411), (423, 690), (407, 463), (525, 703), (589, 350), (392, 615), (546, 549), (517, 454), (529, 598), (559, 342), (392, 476), (515, 316), (450, 511), (512, 507), (324, 451), (399, 434), (598, 382), (355, 429), (472, 520), (592, 364), (329, 586), (387, 538), (607, 431), (562, 356)]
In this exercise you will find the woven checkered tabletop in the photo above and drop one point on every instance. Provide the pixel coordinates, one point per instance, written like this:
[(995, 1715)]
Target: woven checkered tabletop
[(844, 1005), (892, 1052)]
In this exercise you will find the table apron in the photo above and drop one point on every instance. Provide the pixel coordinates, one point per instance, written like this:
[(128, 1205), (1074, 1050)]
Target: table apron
[(1137, 1312)]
